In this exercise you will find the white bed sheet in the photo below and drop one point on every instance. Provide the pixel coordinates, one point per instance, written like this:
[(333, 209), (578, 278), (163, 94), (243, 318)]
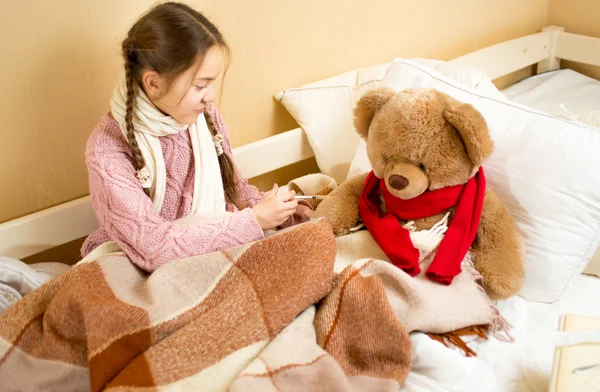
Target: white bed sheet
[(523, 366), (547, 91)]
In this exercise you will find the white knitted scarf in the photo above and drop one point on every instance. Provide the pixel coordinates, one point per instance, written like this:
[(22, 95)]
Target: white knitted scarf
[(150, 124)]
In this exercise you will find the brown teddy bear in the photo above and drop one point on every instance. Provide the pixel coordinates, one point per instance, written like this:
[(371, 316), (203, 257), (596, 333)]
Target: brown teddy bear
[(426, 150)]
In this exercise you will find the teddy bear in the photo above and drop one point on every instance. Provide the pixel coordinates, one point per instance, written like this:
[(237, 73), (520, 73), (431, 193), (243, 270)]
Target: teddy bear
[(426, 151)]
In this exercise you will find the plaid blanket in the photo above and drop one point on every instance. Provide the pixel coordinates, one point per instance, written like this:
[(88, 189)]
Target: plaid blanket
[(266, 316), (452, 315)]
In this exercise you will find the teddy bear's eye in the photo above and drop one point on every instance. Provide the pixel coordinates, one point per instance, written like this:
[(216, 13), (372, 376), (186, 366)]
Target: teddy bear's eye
[(422, 166)]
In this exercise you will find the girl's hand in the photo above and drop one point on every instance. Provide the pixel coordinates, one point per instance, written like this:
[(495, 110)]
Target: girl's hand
[(275, 209)]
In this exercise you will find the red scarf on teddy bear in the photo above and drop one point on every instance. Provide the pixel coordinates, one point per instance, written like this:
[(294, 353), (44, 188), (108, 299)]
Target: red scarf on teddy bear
[(395, 241)]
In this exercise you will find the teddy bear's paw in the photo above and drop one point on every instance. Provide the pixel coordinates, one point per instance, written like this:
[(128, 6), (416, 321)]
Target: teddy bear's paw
[(500, 280), (341, 214), (340, 224), (500, 288)]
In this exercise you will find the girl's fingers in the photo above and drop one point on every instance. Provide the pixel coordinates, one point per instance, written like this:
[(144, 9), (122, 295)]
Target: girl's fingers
[(273, 190), (290, 205), (289, 195)]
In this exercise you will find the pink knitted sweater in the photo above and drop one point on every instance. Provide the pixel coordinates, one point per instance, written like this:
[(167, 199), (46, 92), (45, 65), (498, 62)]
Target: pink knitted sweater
[(126, 215)]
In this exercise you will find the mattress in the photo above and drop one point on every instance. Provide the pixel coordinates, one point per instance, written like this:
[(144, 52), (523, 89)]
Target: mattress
[(547, 91)]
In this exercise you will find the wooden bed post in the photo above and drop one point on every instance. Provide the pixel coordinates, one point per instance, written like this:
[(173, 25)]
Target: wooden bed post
[(552, 62)]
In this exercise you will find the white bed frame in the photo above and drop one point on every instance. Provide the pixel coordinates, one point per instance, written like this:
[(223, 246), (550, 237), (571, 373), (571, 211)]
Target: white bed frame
[(38, 232)]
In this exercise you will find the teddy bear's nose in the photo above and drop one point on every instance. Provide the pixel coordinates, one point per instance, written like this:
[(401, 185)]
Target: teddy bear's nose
[(398, 182)]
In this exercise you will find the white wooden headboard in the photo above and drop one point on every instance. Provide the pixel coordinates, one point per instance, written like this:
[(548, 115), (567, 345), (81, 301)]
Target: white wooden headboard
[(38, 232)]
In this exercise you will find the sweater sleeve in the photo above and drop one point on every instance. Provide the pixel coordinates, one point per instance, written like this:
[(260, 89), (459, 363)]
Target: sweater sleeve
[(249, 194), (127, 215)]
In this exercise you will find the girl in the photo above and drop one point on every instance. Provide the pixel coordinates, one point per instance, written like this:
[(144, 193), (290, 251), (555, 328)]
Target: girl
[(160, 161)]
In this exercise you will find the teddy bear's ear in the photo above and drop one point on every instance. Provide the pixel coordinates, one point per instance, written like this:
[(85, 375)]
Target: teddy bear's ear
[(367, 106), (472, 128)]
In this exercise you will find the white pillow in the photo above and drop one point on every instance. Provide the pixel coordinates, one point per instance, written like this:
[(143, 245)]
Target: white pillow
[(324, 109), (589, 117), (544, 169)]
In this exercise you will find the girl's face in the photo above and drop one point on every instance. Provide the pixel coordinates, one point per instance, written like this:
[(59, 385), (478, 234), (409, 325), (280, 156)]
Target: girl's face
[(182, 100)]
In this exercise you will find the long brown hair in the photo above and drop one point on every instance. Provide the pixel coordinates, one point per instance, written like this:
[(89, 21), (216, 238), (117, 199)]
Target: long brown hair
[(168, 39)]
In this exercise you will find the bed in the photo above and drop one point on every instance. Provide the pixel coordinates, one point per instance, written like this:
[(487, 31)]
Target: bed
[(562, 92), (530, 365), (522, 366)]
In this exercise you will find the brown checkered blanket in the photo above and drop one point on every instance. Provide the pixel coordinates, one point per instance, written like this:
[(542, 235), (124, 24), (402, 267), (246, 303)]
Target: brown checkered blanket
[(266, 316)]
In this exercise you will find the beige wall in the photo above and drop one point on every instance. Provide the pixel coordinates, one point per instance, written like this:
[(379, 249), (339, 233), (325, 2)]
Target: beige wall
[(578, 17), (60, 63)]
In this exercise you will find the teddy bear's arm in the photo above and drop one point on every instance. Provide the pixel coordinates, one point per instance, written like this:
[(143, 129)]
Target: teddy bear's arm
[(498, 249), (341, 207)]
